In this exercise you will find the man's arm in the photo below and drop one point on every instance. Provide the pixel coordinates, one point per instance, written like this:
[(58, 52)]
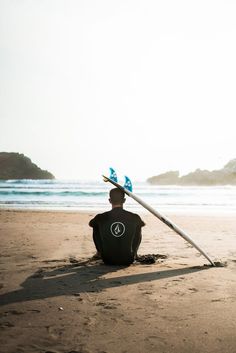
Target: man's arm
[(138, 235), (93, 222), (137, 239), (141, 222)]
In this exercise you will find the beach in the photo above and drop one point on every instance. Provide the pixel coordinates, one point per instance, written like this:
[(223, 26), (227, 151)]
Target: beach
[(53, 298)]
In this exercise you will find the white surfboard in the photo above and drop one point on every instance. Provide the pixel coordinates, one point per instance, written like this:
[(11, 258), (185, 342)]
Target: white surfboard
[(164, 219)]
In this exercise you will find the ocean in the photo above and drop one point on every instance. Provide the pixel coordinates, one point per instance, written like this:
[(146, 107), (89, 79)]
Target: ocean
[(93, 196)]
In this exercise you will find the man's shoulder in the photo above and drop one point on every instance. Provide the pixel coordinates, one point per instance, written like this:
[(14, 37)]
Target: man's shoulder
[(131, 214), (102, 215), (121, 213), (135, 216), (99, 217)]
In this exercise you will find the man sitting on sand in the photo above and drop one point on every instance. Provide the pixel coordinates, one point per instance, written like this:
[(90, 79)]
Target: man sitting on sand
[(117, 233)]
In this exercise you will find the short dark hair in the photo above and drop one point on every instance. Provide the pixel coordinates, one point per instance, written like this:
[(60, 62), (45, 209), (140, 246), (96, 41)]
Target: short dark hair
[(117, 196)]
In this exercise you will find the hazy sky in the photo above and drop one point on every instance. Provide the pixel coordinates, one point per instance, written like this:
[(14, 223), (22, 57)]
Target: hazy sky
[(143, 86)]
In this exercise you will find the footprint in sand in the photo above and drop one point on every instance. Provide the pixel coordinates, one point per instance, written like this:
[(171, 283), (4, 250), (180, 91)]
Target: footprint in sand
[(91, 321), (217, 300), (14, 312), (6, 324), (80, 351), (34, 311), (147, 292), (193, 290), (107, 306), (54, 260), (180, 293)]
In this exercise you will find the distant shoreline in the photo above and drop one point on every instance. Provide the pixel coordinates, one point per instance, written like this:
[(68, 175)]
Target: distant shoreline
[(16, 166), (220, 177)]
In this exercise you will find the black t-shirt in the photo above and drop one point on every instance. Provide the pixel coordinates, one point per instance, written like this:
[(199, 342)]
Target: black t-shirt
[(119, 233)]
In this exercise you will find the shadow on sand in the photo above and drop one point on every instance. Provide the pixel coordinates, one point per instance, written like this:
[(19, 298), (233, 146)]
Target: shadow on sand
[(74, 279)]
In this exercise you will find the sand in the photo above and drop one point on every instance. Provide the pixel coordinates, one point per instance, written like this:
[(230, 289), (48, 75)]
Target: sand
[(53, 300)]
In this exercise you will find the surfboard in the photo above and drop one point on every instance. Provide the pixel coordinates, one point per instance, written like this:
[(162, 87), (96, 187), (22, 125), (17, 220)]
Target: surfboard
[(162, 218)]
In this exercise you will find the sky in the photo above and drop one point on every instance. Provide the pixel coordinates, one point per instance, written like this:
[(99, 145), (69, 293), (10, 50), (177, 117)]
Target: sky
[(141, 86)]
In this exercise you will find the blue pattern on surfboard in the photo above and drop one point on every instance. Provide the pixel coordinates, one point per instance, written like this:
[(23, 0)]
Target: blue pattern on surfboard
[(113, 175), (128, 184)]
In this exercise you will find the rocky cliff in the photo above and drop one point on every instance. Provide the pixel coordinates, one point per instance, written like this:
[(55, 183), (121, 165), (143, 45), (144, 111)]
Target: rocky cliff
[(18, 166), (224, 176)]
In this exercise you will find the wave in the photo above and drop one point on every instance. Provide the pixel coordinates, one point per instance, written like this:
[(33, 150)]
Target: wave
[(29, 181), (50, 181), (51, 193), (58, 192), (78, 194)]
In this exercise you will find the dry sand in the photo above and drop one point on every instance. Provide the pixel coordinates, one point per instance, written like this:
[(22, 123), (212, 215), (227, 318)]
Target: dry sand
[(51, 302)]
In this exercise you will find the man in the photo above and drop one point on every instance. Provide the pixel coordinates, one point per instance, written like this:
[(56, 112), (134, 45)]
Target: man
[(117, 233)]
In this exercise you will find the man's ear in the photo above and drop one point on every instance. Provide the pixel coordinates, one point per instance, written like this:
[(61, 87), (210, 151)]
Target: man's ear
[(124, 200), (110, 200)]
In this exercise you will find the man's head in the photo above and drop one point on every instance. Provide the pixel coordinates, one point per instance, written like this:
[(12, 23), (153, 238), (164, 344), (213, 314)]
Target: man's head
[(117, 197)]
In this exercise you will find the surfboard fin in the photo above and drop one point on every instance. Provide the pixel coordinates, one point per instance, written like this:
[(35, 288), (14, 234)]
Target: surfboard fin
[(113, 175), (128, 185)]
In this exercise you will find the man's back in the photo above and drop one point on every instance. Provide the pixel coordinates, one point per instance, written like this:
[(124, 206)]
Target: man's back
[(118, 234)]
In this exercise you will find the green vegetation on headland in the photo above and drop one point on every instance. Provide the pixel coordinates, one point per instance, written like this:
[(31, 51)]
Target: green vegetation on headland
[(224, 176), (18, 166)]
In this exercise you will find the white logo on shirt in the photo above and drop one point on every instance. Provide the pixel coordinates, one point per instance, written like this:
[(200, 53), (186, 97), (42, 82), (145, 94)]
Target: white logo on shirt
[(117, 229)]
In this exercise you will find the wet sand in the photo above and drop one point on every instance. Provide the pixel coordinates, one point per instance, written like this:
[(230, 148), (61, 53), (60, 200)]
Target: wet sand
[(52, 299)]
